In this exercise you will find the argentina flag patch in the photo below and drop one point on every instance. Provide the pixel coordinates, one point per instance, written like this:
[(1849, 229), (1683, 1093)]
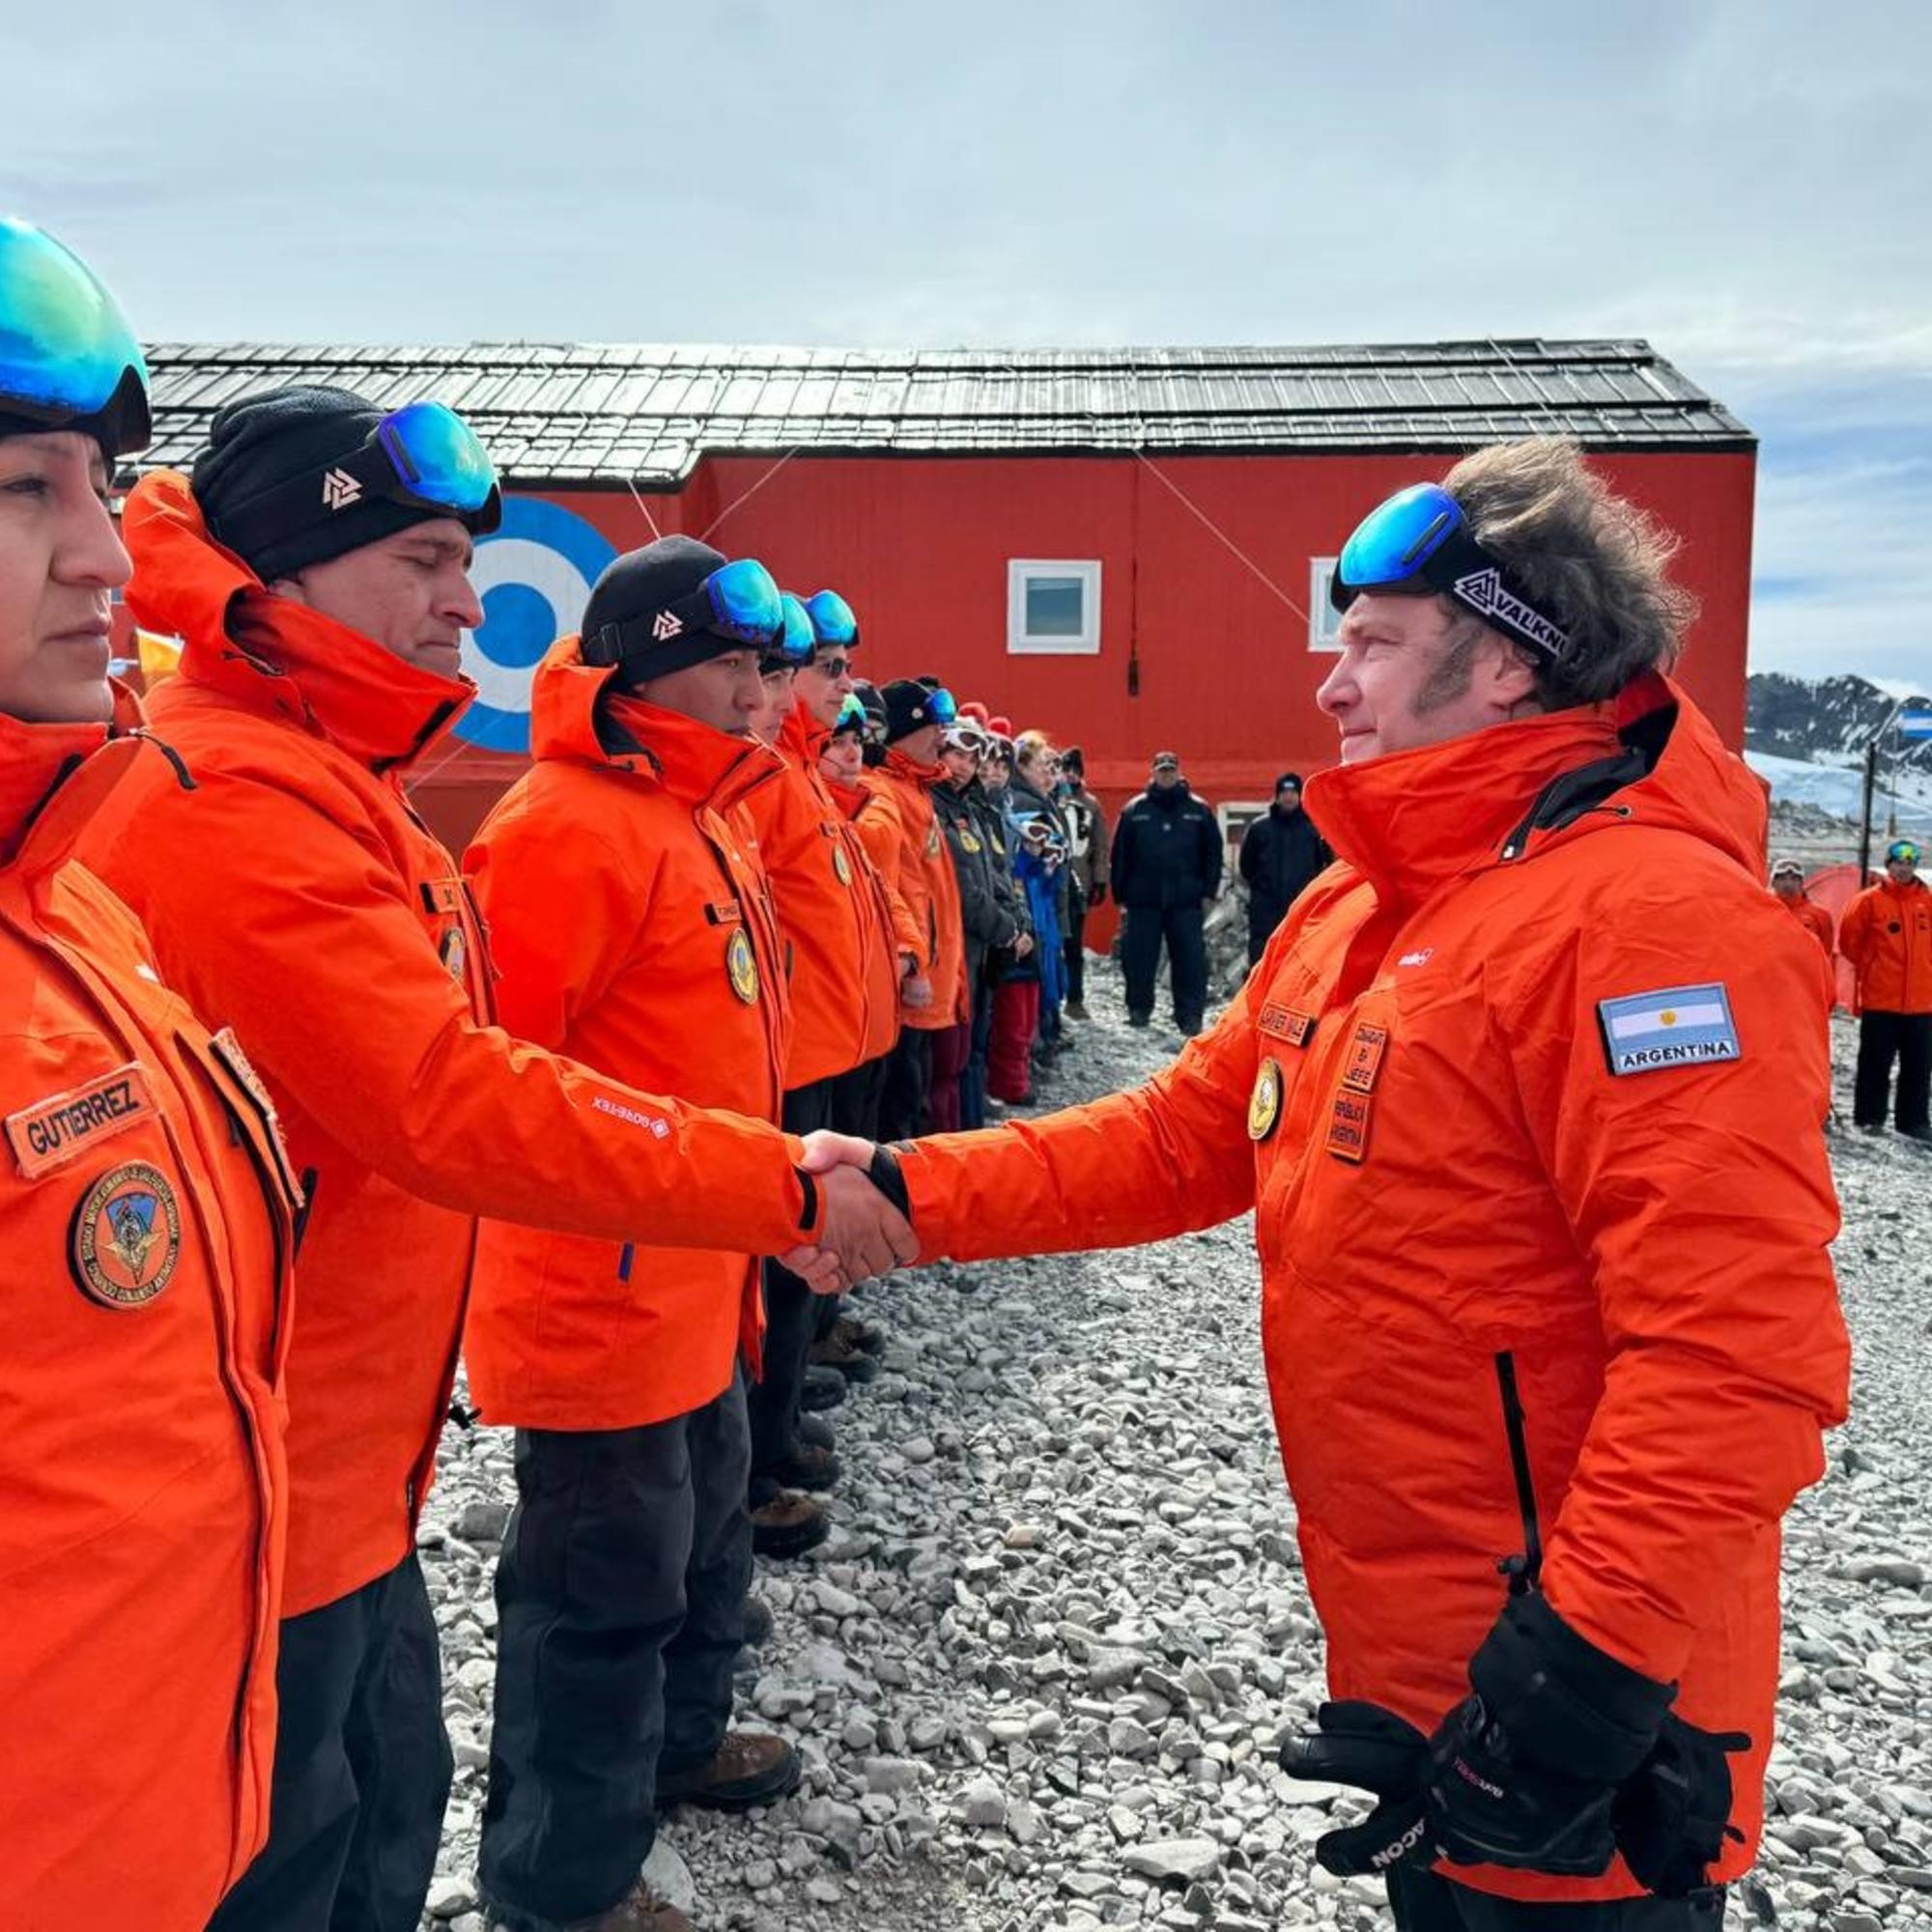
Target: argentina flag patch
[(1675, 1026)]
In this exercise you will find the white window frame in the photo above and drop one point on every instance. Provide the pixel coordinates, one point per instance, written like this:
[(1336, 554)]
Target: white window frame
[(1325, 621), (1021, 642)]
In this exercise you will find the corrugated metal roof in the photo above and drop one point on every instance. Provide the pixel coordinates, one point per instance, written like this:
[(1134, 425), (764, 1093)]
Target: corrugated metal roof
[(564, 413)]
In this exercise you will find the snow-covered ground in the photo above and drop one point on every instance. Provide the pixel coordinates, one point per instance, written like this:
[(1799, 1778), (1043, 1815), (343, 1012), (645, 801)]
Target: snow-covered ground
[(1039, 1673), (1839, 789)]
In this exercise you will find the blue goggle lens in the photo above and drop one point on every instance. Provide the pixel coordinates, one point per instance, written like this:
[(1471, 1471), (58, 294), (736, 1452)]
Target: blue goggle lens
[(796, 642), (851, 715), (746, 601), (941, 707), (437, 457), (832, 618), (1397, 538), (65, 349)]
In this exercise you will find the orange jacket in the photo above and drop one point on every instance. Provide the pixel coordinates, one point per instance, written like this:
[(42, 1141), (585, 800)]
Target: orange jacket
[(294, 894), (884, 965), (631, 928), (1887, 934), (829, 913), (923, 876), (1414, 1093), (146, 1228), (1812, 917)]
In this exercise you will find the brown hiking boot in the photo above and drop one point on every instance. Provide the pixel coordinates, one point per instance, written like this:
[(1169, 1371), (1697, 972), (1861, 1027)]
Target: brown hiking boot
[(789, 1526), (807, 1469), (835, 1352), (749, 1769), (639, 1910)]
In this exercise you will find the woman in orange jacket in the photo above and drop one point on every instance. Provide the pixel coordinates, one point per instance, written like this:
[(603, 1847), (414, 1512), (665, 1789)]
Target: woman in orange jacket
[(935, 1000), (1544, 1214), (295, 893), (146, 1229), (1887, 934)]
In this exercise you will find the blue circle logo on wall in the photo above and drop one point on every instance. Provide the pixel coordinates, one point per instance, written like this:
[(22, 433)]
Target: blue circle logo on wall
[(533, 576)]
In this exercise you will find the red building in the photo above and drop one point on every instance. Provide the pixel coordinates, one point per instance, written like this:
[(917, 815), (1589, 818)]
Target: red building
[(1128, 548)]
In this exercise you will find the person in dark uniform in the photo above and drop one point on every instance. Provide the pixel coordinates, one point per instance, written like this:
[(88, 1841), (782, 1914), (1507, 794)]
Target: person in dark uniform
[(1167, 865), (1282, 854)]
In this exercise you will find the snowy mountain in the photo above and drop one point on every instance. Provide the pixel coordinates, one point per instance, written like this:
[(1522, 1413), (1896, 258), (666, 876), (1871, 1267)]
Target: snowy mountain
[(1826, 721), (1838, 789)]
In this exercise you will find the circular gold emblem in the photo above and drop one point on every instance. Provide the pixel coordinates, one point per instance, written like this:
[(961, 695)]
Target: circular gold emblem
[(967, 842), (741, 965), (932, 840), (455, 952), (841, 865), (126, 1236), (1264, 1102)]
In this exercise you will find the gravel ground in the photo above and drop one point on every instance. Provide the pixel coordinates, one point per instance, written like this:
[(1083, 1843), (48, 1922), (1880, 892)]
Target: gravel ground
[(1039, 1673)]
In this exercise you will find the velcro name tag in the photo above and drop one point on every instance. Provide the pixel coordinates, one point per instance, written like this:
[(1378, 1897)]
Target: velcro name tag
[(1348, 1125), (53, 1132), (1280, 1022), (1365, 1058), (443, 896), (724, 912), (1674, 1026)]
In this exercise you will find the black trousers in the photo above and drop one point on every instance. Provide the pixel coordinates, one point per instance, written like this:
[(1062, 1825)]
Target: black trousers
[(1884, 1037), (620, 1608), (1075, 947), (362, 1769), (1423, 1903), (1143, 932), (791, 1322), (908, 1071)]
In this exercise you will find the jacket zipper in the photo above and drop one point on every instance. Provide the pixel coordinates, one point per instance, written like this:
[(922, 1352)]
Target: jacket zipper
[(1521, 1569)]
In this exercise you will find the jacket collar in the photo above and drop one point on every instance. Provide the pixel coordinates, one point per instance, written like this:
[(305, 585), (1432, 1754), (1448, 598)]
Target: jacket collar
[(802, 737), (899, 766), (1414, 822), (54, 777), (267, 654), (577, 711)]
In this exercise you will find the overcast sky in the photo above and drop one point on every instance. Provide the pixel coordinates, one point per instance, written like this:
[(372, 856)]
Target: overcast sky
[(1750, 185)]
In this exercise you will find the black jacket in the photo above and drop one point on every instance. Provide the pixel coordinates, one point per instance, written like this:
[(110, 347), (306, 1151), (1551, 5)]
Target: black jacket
[(1167, 850), (1281, 854), (983, 911)]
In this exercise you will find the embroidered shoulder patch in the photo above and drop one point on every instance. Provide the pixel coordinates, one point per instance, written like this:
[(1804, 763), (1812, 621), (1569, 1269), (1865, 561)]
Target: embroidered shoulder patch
[(1674, 1026)]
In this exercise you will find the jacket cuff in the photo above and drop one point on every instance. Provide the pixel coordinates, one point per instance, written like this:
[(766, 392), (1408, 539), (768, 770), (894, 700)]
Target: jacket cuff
[(1562, 1701)]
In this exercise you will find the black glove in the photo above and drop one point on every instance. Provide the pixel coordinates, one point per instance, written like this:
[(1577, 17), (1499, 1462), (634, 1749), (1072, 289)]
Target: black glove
[(886, 1175), (1671, 1818), (1522, 1774), (1354, 1742)]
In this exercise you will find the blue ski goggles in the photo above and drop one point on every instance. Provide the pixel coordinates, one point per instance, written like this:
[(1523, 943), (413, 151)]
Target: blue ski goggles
[(1901, 852), (66, 357), (852, 716), (739, 601), (795, 641), (832, 619), (423, 454), (1419, 543), (942, 708)]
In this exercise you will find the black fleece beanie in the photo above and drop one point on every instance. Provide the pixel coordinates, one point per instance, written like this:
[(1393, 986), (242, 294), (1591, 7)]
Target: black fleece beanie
[(639, 584)]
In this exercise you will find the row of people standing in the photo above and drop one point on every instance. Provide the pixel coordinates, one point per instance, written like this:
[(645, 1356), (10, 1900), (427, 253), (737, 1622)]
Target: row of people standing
[(270, 1103)]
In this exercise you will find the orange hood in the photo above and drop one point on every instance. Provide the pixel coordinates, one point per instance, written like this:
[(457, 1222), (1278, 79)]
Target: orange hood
[(265, 652)]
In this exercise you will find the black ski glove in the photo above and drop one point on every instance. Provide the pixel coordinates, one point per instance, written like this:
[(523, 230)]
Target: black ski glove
[(1354, 1742), (1522, 1774), (1671, 1818)]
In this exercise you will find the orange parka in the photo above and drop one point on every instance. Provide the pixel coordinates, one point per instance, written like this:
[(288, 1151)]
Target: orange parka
[(1812, 917), (296, 896), (1450, 1092), (631, 928), (1887, 934), (145, 1236), (917, 867), (885, 964), (844, 1009)]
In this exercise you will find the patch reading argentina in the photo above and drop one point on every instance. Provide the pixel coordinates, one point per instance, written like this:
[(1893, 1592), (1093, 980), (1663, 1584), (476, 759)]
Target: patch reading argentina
[(1675, 1026)]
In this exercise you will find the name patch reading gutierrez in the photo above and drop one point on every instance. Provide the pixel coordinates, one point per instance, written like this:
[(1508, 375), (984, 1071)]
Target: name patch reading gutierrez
[(55, 1130)]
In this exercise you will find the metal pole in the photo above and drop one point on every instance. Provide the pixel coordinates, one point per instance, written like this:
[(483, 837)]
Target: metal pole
[(1865, 828)]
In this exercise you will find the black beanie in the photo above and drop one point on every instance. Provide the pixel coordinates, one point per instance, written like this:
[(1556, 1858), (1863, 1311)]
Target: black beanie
[(639, 584), (264, 440), (908, 708), (1289, 779)]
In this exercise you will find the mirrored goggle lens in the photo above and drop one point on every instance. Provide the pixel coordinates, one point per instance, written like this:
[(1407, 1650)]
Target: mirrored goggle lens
[(1397, 538), (746, 603), (796, 642), (1908, 853), (832, 618), (437, 457), (941, 707), (851, 716), (64, 345)]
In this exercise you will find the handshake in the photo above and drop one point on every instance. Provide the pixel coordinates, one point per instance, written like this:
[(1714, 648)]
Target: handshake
[(868, 1226)]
